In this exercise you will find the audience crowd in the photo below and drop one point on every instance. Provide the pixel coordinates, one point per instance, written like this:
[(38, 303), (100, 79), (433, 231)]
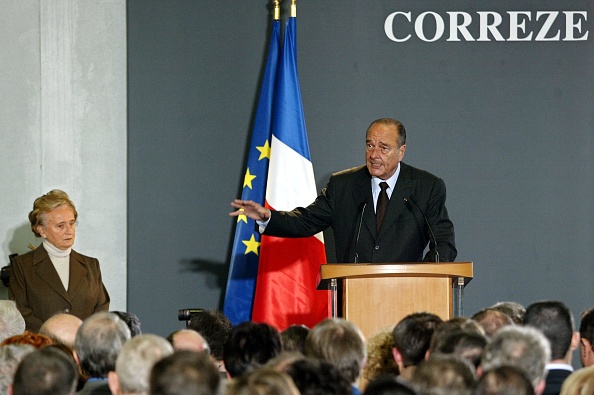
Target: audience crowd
[(503, 349)]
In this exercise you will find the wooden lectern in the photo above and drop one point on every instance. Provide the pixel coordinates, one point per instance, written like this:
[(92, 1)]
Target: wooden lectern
[(375, 296)]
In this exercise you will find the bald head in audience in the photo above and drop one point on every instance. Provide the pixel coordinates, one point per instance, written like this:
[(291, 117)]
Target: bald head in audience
[(188, 339), (61, 328)]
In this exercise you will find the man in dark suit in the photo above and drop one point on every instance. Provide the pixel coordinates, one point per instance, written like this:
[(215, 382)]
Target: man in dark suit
[(349, 203), (555, 321)]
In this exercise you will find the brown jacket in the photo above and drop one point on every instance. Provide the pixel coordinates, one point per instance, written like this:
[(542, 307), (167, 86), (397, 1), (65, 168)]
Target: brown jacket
[(36, 287)]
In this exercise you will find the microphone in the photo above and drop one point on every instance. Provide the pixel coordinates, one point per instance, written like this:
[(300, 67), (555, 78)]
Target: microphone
[(358, 233), (433, 239)]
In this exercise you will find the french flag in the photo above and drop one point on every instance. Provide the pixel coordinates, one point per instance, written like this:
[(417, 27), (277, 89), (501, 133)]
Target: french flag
[(288, 267)]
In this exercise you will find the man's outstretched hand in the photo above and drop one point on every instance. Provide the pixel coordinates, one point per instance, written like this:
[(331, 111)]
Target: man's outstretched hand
[(251, 209)]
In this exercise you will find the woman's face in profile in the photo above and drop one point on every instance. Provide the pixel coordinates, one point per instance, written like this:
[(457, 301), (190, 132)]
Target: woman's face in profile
[(59, 228)]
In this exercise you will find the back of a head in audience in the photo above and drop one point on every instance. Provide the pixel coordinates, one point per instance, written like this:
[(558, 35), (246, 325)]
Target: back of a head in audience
[(580, 382), (504, 380), (455, 324), (492, 320), (98, 342), (134, 364), (513, 309), (185, 373), (188, 339), (388, 385), (412, 338), (47, 371), (555, 321), (250, 346), (463, 344), (10, 357), (37, 340), (444, 374), (263, 381), (132, 321), (61, 328), (215, 328), (380, 357), (339, 342), (284, 359), (523, 347), (69, 351), (587, 338), (316, 377), (11, 321), (293, 338)]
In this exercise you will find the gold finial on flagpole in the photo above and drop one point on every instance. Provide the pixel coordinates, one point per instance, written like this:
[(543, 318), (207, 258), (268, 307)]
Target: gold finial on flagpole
[(276, 10), (293, 8)]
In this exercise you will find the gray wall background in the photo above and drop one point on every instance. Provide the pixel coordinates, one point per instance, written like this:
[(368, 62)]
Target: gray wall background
[(508, 125), (63, 125)]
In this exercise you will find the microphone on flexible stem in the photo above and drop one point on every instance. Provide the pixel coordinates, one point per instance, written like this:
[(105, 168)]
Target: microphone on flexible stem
[(358, 233), (433, 239)]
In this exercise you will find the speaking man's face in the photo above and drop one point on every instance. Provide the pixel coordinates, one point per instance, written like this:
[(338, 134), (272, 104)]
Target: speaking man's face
[(382, 153)]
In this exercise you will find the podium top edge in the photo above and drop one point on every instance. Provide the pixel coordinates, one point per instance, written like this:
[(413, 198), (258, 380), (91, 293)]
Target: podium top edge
[(408, 269)]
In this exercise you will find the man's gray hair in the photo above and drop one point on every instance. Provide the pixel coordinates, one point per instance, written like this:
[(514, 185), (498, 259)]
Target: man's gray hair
[(523, 347), (136, 359), (99, 341), (11, 320), (10, 357), (339, 342)]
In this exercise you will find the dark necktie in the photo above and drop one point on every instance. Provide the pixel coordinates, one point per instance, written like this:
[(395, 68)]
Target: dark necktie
[(382, 205)]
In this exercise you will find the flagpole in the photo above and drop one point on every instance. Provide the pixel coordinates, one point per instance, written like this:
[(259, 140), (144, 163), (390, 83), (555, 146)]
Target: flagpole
[(276, 10), (293, 8)]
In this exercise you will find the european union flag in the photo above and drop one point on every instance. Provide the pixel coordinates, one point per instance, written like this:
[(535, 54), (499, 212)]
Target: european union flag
[(243, 270)]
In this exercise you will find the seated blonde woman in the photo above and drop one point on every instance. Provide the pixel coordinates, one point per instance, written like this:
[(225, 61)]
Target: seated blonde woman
[(580, 382), (380, 360)]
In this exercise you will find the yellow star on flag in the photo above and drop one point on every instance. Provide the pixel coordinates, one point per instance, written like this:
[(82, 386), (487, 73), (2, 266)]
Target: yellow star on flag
[(251, 245), (247, 179), (242, 217), (264, 151)]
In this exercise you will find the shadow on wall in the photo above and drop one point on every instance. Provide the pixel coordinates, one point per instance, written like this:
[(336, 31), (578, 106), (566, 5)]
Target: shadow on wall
[(18, 240), (215, 274)]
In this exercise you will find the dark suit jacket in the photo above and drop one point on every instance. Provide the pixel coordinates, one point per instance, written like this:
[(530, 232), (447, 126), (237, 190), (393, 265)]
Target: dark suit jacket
[(404, 234), (554, 381), (39, 293), (95, 387)]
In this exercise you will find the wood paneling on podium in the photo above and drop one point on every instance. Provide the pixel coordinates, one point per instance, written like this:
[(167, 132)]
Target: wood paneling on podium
[(376, 296)]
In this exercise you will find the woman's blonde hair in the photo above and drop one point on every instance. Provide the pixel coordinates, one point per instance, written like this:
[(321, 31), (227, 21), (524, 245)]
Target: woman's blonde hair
[(47, 203), (580, 382)]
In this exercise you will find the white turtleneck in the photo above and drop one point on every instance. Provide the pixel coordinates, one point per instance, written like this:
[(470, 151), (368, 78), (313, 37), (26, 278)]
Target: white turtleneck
[(61, 260)]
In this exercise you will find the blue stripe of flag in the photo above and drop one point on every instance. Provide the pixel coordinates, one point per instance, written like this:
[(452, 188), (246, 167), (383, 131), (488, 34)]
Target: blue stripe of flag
[(289, 127)]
